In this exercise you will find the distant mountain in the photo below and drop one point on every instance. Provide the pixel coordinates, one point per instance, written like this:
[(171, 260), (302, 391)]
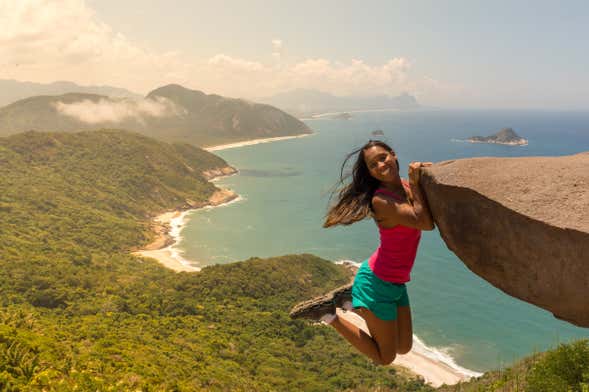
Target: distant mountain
[(303, 102), (171, 113), (14, 90), (505, 136), (218, 120), (42, 113)]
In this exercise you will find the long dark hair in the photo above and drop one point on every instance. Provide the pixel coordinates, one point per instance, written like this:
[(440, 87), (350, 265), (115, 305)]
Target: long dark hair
[(355, 199)]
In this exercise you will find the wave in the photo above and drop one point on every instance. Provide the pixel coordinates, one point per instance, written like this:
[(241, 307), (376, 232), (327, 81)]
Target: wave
[(232, 201), (345, 261), (441, 354), (438, 354), (177, 225)]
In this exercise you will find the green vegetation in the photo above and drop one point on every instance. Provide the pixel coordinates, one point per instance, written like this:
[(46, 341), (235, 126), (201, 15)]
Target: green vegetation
[(564, 369), (78, 312), (221, 120), (197, 118)]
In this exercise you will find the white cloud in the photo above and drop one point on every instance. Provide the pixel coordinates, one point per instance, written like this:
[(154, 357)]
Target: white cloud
[(45, 40), (93, 112), (277, 49), (276, 45), (223, 62), (240, 77)]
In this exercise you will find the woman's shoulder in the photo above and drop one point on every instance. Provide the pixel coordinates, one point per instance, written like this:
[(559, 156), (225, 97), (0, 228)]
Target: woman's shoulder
[(391, 194), (384, 195)]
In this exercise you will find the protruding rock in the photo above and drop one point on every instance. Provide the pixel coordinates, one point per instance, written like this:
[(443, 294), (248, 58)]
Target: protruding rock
[(219, 172), (522, 224)]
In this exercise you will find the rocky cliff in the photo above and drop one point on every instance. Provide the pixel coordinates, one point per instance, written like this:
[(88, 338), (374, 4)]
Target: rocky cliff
[(522, 224)]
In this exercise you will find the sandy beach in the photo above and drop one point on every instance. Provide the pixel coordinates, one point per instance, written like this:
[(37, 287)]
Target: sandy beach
[(328, 115), (162, 248), (434, 372), (253, 142), (168, 226)]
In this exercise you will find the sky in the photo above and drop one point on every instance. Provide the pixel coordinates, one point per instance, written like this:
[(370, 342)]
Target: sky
[(454, 54)]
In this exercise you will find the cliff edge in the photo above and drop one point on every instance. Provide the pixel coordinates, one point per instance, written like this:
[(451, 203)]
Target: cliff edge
[(522, 224)]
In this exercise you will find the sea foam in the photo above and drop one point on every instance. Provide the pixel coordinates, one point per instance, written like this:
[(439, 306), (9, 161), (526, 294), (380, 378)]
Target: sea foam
[(438, 354), (177, 224)]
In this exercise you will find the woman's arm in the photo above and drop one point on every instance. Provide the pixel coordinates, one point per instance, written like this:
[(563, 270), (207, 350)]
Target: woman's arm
[(419, 201), (390, 213)]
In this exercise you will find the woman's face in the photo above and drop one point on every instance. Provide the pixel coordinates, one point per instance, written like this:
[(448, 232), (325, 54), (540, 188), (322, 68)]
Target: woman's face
[(382, 164)]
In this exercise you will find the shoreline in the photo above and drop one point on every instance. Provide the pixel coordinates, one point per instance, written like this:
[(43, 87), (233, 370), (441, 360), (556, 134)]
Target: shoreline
[(515, 144), (254, 142), (328, 115), (435, 372), (169, 225), (436, 367)]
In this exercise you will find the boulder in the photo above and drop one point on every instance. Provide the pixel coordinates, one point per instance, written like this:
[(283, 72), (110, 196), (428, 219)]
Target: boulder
[(522, 224)]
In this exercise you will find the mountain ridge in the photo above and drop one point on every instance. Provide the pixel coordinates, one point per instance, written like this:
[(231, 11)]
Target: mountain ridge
[(169, 113), (14, 90)]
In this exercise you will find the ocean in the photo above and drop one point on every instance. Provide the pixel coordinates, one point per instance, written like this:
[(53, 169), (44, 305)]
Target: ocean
[(285, 187)]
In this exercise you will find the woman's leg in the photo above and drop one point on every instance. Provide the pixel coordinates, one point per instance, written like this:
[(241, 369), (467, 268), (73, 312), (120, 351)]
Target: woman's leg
[(405, 329), (380, 345)]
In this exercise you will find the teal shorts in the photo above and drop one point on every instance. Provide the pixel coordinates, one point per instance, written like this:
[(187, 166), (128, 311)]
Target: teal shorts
[(377, 295)]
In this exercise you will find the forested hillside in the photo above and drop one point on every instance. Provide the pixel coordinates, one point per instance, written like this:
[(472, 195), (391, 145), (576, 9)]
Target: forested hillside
[(563, 369), (78, 312)]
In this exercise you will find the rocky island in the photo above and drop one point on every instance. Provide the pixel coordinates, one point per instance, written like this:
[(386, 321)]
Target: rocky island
[(505, 136)]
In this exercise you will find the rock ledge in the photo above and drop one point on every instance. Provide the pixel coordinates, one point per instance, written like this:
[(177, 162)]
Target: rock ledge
[(522, 224)]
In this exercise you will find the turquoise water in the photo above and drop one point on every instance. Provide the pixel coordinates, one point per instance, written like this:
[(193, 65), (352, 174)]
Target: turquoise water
[(285, 187)]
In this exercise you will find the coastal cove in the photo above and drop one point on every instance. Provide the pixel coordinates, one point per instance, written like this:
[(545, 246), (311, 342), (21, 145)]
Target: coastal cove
[(285, 188), (435, 368), (167, 226), (190, 197)]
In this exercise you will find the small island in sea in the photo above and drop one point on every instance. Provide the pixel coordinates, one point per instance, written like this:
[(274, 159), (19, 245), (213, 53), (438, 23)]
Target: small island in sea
[(377, 132), (505, 136)]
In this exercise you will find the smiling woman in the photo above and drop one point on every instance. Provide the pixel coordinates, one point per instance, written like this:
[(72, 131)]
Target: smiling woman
[(378, 294)]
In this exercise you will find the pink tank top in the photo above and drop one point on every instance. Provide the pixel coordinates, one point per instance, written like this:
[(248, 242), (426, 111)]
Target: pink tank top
[(394, 258)]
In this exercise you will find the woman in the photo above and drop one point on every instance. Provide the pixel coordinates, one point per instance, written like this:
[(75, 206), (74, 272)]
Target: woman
[(378, 294)]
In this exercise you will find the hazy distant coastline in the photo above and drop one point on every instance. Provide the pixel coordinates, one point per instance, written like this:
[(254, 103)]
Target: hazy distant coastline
[(334, 115), (254, 142), (14, 90), (307, 103)]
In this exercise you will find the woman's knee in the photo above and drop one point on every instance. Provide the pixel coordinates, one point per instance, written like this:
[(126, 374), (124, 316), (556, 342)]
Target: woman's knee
[(404, 348), (384, 360)]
